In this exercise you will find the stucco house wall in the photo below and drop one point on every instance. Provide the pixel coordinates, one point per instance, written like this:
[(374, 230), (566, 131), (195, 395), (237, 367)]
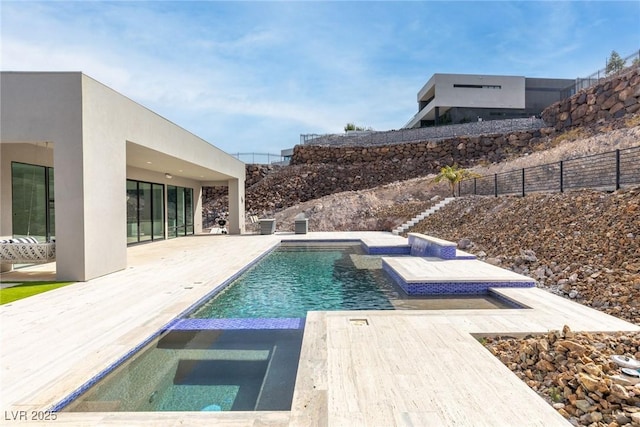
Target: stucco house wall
[(98, 137)]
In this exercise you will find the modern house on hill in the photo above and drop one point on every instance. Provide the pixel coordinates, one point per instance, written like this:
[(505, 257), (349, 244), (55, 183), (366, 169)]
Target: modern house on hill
[(462, 98), (90, 168)]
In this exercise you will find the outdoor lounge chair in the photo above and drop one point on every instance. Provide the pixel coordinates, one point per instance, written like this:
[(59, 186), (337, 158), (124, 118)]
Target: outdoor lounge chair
[(26, 250), (254, 223)]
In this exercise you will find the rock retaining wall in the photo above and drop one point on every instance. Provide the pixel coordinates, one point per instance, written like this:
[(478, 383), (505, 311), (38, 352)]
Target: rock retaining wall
[(464, 150), (614, 98)]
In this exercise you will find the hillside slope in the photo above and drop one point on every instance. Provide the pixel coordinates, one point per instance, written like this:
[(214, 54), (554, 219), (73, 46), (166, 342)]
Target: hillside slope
[(387, 206), (584, 245)]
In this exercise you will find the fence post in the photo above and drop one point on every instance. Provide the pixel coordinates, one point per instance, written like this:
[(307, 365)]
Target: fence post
[(561, 176), (617, 170), (523, 194), (495, 184), (475, 187)]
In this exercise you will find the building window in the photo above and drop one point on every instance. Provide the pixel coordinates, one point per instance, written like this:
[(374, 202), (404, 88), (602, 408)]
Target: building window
[(477, 86), (32, 201), (145, 211)]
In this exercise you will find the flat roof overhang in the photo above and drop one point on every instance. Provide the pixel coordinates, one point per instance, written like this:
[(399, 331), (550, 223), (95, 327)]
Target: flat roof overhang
[(146, 158)]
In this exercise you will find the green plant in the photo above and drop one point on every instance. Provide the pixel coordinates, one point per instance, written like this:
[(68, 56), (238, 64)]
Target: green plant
[(556, 394), (615, 63), (25, 290), (351, 126), (453, 175)]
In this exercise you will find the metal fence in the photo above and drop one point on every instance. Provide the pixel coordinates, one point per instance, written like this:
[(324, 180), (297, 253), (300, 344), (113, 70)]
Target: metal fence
[(598, 76), (606, 171), (262, 158)]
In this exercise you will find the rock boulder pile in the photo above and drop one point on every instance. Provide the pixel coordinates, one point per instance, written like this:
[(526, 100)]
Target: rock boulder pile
[(574, 373)]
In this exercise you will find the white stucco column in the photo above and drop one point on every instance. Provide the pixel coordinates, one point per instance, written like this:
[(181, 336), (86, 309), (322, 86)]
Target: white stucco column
[(90, 183), (68, 173), (236, 206), (197, 209)]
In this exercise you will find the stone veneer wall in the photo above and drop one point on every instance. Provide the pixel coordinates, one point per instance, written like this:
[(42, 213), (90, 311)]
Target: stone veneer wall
[(613, 98)]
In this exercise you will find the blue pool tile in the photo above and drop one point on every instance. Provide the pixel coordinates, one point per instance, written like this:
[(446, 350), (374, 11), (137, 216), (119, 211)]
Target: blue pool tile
[(423, 247), (387, 250), (238, 323), (459, 288), (451, 288)]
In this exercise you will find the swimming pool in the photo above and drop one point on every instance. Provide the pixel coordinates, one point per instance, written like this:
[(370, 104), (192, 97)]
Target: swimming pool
[(238, 349), (299, 277)]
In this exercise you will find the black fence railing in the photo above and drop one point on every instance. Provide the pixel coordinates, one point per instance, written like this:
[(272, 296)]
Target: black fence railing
[(608, 171), (632, 60)]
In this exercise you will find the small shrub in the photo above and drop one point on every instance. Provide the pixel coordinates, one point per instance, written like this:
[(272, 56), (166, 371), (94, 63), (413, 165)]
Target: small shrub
[(632, 121), (556, 395), (570, 135)]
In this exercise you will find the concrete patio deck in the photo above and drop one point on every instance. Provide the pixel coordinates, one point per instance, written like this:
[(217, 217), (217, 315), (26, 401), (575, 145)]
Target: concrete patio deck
[(356, 368)]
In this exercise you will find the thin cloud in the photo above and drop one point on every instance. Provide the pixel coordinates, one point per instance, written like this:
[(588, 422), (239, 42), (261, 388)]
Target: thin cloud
[(253, 76)]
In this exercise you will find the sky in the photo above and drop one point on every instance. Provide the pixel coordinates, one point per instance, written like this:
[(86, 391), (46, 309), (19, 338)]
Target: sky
[(250, 77)]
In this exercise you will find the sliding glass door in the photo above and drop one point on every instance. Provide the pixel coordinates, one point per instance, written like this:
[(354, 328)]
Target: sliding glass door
[(145, 211), (180, 211)]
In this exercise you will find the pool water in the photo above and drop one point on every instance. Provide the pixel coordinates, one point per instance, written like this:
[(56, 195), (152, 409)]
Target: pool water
[(203, 370), (296, 278)]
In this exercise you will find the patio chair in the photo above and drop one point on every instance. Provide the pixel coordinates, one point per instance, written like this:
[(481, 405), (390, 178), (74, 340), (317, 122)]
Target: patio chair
[(254, 223)]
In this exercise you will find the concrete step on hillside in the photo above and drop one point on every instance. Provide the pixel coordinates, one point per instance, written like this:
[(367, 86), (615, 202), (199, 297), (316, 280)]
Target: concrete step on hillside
[(413, 221)]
